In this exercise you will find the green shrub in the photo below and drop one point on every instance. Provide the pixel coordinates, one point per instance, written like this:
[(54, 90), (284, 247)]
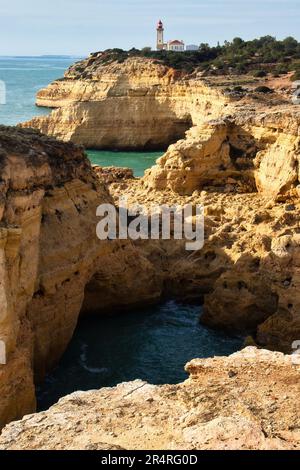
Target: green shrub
[(238, 89), (296, 70), (281, 69), (238, 55), (296, 76), (259, 73), (263, 89)]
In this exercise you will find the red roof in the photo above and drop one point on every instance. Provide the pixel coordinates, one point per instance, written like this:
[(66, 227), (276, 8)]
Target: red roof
[(176, 42)]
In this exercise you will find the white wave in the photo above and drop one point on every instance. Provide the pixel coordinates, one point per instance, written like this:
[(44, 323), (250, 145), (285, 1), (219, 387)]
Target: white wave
[(84, 365)]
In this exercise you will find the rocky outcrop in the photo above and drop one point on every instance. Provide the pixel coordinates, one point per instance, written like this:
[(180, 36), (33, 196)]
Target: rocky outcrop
[(248, 270), (40, 181), (137, 104), (277, 164), (243, 144), (49, 255), (246, 401), (245, 152), (218, 154), (111, 174)]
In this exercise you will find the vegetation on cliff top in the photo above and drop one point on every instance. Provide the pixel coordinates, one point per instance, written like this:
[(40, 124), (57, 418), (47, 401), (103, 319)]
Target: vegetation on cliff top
[(258, 56)]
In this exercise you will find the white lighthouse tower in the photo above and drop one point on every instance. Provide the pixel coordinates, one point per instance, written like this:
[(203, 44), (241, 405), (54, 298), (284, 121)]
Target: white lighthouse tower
[(160, 36)]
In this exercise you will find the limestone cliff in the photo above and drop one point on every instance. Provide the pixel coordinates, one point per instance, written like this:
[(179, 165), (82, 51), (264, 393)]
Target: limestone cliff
[(109, 102), (249, 151), (239, 159), (246, 401), (137, 104), (49, 254)]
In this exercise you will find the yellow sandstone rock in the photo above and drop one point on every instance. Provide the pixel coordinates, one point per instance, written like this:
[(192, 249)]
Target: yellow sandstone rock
[(241, 161), (49, 253), (248, 401), (138, 104)]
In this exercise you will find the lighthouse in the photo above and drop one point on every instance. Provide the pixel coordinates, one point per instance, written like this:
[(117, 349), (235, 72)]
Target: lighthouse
[(175, 45), (160, 36)]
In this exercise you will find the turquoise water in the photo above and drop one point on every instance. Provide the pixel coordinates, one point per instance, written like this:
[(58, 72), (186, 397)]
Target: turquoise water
[(152, 344), (23, 77), (138, 161)]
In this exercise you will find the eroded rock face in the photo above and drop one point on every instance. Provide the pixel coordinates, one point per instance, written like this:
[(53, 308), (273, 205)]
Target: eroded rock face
[(41, 182), (246, 152), (248, 270), (49, 253), (137, 104), (246, 401), (216, 153)]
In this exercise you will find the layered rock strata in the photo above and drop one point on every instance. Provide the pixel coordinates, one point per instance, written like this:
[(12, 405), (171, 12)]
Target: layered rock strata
[(137, 104)]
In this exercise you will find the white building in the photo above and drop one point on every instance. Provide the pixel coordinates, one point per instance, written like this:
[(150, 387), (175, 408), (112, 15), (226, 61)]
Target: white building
[(176, 46), (192, 47), (161, 45)]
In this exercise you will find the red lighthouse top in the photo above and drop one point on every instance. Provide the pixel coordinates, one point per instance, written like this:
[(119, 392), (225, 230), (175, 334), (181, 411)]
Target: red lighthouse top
[(160, 25)]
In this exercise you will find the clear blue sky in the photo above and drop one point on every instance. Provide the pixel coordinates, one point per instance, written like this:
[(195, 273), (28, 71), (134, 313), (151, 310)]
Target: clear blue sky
[(77, 27)]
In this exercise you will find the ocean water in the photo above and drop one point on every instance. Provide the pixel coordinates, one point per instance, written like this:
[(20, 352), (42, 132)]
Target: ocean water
[(138, 161), (152, 344), (23, 77)]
